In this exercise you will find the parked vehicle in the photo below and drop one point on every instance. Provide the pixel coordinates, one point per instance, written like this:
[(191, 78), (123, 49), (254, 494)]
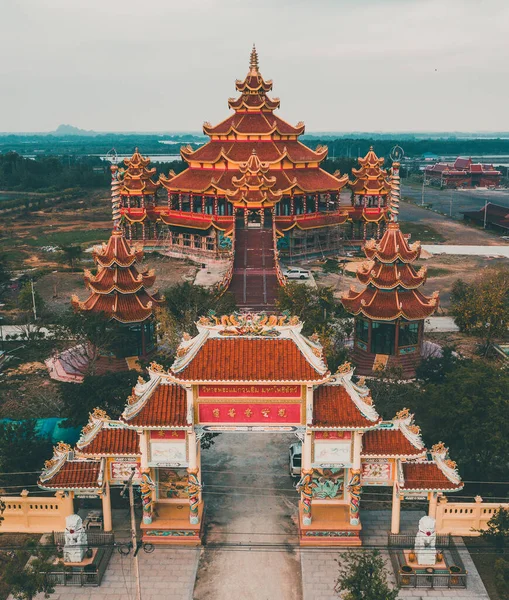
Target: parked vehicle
[(295, 459), (296, 273)]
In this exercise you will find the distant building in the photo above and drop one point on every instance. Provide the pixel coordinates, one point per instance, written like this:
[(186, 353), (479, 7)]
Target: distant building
[(463, 173), (497, 217)]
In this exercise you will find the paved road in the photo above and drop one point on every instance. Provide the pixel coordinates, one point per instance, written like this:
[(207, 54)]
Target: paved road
[(251, 503)]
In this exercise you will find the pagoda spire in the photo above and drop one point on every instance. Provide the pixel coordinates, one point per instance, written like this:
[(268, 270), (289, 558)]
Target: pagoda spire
[(253, 62), (395, 193)]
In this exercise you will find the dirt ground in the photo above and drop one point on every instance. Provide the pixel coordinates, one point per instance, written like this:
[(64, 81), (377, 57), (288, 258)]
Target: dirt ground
[(443, 271)]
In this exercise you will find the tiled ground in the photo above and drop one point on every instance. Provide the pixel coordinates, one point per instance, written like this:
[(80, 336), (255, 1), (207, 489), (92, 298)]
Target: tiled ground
[(320, 568)]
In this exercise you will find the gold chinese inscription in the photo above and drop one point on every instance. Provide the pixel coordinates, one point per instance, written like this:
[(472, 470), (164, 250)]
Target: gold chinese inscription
[(266, 412), (231, 412), (216, 412), (281, 412), (248, 412)]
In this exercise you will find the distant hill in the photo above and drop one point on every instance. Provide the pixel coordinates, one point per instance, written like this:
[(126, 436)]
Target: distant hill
[(63, 130)]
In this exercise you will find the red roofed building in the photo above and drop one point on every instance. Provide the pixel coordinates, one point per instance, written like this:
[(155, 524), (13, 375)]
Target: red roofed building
[(463, 173), (251, 373), (119, 292), (252, 171), (390, 311)]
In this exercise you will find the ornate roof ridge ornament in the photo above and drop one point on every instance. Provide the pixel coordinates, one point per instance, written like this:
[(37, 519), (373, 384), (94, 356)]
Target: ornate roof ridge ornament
[(404, 421), (448, 467), (60, 455), (96, 420), (360, 394)]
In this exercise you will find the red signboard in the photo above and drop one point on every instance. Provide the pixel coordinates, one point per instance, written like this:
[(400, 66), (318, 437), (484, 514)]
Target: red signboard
[(249, 391), (249, 413), (166, 434), (333, 435)]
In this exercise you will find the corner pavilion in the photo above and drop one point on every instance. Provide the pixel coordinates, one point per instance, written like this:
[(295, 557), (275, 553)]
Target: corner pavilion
[(252, 373)]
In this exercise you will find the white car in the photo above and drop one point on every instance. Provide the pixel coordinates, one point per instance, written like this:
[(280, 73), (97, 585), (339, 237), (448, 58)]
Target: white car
[(295, 459), (296, 273)]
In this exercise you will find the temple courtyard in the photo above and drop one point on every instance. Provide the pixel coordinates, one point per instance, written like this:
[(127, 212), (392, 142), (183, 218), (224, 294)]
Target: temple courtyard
[(250, 546)]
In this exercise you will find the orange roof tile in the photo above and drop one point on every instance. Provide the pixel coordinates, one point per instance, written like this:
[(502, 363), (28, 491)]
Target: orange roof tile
[(166, 407), (388, 442), (388, 305), (113, 441), (75, 474), (426, 476), (333, 407), (249, 359)]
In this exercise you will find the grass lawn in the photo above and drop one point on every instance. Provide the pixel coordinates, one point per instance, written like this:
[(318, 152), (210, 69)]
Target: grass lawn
[(423, 233), (64, 238), (437, 271), (484, 559)]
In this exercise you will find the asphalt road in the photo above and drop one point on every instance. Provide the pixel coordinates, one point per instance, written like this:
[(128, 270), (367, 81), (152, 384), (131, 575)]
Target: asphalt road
[(250, 504)]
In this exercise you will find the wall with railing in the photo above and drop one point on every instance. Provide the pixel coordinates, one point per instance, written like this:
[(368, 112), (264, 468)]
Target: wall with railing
[(462, 518), (35, 514)]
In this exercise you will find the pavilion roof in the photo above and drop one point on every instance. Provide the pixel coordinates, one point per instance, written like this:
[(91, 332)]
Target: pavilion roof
[(62, 471), (388, 276), (389, 443), (253, 347), (156, 403), (111, 439), (136, 179), (426, 476), (370, 178), (118, 289)]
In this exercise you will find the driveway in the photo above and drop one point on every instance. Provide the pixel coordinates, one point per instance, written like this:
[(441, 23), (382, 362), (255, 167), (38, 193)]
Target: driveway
[(250, 520)]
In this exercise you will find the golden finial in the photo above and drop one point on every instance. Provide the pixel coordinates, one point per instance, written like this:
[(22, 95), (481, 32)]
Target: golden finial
[(253, 61)]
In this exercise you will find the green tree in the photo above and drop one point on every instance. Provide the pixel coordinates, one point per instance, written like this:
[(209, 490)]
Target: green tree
[(502, 578), (21, 451), (468, 408), (363, 576), (184, 304), (108, 391), (497, 530), (482, 307), (72, 254), (27, 572), (26, 300)]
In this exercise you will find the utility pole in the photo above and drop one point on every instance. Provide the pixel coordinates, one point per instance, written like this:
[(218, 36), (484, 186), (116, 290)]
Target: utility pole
[(134, 540), (450, 204), (485, 213), (33, 300), (422, 193)]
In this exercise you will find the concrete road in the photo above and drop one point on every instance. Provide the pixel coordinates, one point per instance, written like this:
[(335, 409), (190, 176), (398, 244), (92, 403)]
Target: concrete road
[(251, 518)]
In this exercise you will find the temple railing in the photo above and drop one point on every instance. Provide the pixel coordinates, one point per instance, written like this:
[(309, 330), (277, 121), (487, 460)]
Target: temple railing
[(463, 518)]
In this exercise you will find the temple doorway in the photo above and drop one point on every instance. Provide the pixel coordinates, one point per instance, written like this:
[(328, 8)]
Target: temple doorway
[(250, 524)]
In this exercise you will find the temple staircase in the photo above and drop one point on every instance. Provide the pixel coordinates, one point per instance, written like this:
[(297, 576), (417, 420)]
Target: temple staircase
[(254, 282)]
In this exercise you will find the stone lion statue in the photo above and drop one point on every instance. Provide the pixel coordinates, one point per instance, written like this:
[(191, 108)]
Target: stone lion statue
[(75, 539), (425, 541)]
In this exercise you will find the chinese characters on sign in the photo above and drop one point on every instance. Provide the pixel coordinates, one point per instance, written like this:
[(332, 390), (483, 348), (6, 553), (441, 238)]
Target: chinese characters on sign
[(249, 413), (376, 471)]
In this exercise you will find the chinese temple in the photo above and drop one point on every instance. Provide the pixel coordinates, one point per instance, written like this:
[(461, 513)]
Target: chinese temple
[(253, 172), (251, 373), (390, 311), (463, 173), (119, 292)]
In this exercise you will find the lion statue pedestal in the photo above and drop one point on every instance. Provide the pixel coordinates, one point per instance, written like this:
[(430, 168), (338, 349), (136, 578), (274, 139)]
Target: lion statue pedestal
[(425, 541), (75, 540)]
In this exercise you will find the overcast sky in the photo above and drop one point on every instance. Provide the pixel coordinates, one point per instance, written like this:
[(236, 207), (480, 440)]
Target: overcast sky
[(161, 65)]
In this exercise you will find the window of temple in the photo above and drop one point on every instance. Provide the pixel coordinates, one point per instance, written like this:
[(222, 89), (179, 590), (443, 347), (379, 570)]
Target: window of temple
[(382, 338), (362, 329), (408, 334)]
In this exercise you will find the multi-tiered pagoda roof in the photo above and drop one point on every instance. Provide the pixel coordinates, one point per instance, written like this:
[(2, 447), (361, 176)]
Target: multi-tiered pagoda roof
[(137, 177), (370, 178), (118, 289), (253, 128), (391, 281)]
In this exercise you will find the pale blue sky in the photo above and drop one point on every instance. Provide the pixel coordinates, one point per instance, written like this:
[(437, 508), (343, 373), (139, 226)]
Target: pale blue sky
[(385, 65)]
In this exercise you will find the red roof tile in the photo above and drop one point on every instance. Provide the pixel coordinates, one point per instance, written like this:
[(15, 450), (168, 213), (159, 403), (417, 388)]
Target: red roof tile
[(166, 407), (251, 359), (426, 476), (113, 441), (388, 442), (333, 407), (75, 474)]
